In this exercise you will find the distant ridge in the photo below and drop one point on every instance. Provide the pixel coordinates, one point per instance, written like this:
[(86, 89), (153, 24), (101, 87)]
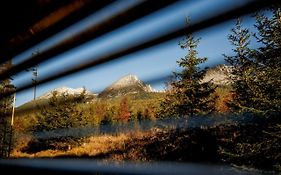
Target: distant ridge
[(131, 84), (66, 90)]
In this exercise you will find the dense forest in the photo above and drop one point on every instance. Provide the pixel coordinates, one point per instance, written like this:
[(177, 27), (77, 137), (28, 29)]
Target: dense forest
[(249, 106)]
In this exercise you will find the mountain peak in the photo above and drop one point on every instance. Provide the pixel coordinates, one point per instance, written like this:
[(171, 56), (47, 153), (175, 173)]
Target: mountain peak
[(126, 81), (129, 84)]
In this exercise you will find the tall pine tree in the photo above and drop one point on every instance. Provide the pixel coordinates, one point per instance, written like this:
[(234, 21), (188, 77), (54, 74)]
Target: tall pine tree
[(5, 113), (268, 58), (257, 72), (187, 94), (242, 67), (257, 84)]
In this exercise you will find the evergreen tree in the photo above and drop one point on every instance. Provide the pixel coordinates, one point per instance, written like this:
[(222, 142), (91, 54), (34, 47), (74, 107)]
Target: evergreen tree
[(110, 114), (267, 81), (242, 66), (100, 112), (62, 112), (257, 85), (5, 113), (257, 72), (187, 94)]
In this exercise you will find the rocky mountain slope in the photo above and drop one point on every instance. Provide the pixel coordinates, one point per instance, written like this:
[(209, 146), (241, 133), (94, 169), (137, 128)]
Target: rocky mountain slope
[(219, 75), (129, 84), (66, 90)]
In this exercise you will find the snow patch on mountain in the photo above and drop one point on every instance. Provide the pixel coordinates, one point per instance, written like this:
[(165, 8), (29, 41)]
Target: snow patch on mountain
[(65, 90)]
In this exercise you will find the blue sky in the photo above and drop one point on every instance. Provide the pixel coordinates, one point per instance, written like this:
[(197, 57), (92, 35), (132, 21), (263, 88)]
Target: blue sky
[(147, 64)]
